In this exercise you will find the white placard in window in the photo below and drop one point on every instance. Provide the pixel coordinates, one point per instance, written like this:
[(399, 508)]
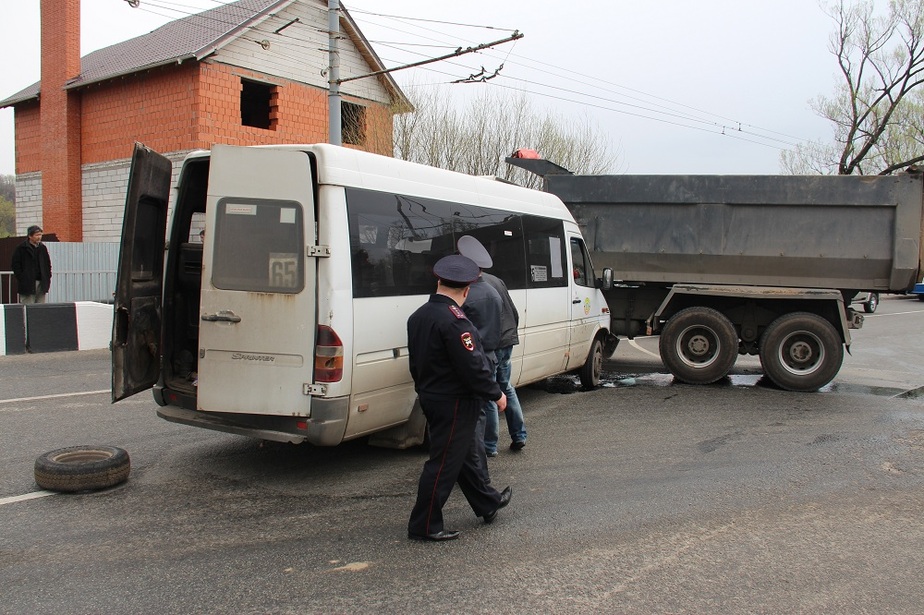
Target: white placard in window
[(287, 215), (539, 273), (555, 256), (239, 209)]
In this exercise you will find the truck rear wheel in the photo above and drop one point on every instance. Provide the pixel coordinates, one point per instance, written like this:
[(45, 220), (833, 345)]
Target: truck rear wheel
[(801, 352), (698, 345), (593, 366)]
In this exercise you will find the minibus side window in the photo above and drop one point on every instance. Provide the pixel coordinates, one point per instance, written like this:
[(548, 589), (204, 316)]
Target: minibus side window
[(259, 246), (582, 271), (395, 241), (545, 252), (502, 234)]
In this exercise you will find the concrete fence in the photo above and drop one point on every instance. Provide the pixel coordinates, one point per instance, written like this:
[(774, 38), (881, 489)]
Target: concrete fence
[(55, 327)]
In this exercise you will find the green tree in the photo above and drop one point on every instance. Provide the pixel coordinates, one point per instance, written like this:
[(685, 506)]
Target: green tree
[(476, 138), (7, 205), (876, 110)]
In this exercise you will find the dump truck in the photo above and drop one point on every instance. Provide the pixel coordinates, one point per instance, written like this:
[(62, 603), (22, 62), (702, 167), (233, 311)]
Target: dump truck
[(722, 265)]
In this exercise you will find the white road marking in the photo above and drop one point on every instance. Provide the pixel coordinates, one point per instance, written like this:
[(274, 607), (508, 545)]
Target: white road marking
[(635, 345), (40, 397), (892, 314), (28, 496)]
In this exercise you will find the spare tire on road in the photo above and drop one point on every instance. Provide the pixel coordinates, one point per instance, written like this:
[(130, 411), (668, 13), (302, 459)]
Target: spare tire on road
[(79, 468)]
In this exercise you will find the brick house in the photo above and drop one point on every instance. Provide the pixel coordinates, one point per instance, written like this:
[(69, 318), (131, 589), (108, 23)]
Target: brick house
[(245, 73)]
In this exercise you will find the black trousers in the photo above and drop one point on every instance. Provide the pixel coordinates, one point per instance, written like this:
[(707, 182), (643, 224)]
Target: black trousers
[(454, 457)]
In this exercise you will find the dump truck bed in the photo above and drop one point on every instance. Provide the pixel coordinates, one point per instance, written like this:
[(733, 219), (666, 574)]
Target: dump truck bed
[(843, 232)]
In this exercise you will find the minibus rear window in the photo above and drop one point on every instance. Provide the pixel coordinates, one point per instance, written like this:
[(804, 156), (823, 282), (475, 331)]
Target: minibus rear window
[(259, 246)]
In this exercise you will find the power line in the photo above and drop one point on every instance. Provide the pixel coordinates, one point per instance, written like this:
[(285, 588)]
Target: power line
[(647, 110), (735, 125)]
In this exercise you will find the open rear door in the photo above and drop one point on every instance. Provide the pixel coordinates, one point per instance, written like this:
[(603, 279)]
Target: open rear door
[(136, 323), (258, 305)]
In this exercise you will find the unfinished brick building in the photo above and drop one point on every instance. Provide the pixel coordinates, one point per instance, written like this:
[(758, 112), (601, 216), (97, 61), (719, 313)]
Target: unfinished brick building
[(245, 73)]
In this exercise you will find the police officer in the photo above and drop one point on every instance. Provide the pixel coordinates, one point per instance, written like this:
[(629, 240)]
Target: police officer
[(453, 380)]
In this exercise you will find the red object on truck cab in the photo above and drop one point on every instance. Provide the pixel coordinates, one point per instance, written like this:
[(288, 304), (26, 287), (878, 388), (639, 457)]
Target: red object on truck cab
[(524, 152)]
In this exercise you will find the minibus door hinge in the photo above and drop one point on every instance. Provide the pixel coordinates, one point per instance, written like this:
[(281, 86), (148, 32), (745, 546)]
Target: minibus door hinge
[(316, 390), (319, 251)]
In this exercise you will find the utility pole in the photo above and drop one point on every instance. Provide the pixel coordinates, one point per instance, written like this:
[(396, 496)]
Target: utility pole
[(333, 72)]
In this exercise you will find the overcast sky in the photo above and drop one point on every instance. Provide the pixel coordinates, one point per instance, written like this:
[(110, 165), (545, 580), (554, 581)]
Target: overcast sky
[(675, 86)]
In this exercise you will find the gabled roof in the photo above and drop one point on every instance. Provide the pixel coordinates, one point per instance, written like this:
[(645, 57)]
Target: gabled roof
[(192, 38)]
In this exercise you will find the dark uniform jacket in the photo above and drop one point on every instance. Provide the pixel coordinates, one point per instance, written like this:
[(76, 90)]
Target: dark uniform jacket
[(446, 355), (31, 263)]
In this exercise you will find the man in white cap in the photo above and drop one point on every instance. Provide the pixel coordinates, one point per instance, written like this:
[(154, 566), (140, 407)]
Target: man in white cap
[(509, 322), (453, 381)]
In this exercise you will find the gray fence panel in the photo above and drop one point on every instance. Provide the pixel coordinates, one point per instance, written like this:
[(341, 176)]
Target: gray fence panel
[(80, 271)]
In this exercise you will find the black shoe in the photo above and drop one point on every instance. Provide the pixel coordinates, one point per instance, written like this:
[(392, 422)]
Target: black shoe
[(517, 445), (506, 494), (490, 453), (441, 535)]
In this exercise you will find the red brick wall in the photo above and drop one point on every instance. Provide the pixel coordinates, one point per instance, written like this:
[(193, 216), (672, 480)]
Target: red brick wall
[(196, 105), (28, 137), (157, 108), (62, 204), (302, 116)]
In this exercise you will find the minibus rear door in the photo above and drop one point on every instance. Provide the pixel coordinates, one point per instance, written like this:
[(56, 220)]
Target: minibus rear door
[(258, 302), (136, 323)]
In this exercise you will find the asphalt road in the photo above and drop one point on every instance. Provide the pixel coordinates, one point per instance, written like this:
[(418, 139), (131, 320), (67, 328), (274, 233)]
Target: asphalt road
[(643, 496)]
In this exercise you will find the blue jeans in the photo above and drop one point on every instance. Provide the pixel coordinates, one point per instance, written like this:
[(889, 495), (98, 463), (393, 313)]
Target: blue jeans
[(513, 413)]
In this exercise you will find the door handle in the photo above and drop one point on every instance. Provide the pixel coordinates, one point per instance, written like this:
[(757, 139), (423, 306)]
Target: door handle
[(575, 301), (222, 316)]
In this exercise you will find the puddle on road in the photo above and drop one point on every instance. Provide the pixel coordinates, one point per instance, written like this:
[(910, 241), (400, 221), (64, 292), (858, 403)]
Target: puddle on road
[(567, 384)]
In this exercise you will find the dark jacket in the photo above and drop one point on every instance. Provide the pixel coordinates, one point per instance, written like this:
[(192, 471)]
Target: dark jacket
[(31, 263), (510, 317), (483, 307), (445, 354)]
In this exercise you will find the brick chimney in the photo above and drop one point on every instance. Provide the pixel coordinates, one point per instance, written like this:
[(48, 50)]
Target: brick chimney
[(62, 199)]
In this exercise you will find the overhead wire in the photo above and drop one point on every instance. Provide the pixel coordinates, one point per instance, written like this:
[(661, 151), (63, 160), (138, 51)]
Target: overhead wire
[(293, 42), (729, 125)]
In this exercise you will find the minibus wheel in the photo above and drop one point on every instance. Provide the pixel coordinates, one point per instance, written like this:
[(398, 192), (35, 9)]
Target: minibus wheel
[(82, 468), (593, 366)]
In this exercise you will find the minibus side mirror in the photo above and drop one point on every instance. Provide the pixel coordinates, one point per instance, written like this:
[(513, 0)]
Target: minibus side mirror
[(607, 280)]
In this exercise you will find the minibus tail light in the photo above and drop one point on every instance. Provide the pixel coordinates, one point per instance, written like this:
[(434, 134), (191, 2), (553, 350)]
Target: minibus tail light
[(328, 356)]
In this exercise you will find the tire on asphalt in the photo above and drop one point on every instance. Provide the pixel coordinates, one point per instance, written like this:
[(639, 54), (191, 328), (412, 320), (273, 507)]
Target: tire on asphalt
[(593, 366), (82, 468), (870, 306), (801, 352), (699, 345)]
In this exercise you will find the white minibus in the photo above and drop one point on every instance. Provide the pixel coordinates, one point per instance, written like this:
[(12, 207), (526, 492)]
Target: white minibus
[(286, 320)]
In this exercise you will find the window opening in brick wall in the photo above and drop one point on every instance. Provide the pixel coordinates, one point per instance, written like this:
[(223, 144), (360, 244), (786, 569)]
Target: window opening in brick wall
[(258, 104), (353, 123)]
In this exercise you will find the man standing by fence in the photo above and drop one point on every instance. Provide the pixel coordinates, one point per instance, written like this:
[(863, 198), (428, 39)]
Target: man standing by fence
[(32, 267)]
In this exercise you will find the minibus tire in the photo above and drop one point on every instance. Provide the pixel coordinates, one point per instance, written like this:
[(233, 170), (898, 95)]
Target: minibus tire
[(82, 468), (593, 366)]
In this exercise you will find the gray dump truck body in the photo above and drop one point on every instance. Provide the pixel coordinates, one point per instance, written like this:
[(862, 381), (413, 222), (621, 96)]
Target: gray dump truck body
[(724, 265), (847, 233)]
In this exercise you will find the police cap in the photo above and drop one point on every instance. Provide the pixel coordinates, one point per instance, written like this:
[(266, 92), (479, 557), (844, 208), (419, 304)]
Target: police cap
[(473, 249), (456, 269)]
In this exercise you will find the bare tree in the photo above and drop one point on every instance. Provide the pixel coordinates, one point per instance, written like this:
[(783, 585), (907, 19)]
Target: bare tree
[(876, 109), (476, 139)]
